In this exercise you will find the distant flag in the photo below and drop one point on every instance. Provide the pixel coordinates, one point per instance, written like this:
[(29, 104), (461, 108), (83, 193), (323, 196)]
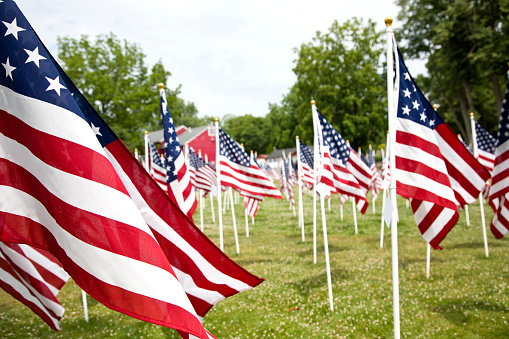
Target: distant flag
[(238, 172), (178, 176), (157, 168), (127, 227), (376, 179), (364, 159), (34, 277), (499, 191), (251, 205), (433, 168), (287, 178), (203, 175), (306, 161), (486, 145), (337, 160)]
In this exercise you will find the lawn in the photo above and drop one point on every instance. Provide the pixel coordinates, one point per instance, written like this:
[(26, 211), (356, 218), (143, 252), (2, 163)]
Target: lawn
[(467, 294)]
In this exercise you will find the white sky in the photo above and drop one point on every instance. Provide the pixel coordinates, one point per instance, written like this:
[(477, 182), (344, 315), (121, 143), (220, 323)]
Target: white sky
[(231, 57)]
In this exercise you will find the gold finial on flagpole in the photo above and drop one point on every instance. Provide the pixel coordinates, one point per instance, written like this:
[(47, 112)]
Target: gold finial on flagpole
[(471, 114), (217, 119), (297, 137), (160, 85), (435, 106), (136, 149), (388, 21), (146, 132), (312, 102)]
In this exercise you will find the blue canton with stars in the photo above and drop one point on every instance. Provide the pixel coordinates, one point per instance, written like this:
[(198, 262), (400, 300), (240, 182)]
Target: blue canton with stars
[(306, 156), (154, 155), (485, 141), (363, 158), (337, 145), (172, 148), (412, 104), (232, 150), (371, 159), (30, 70), (503, 128), (195, 160)]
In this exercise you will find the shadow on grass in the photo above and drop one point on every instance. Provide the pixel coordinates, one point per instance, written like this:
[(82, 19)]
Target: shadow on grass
[(304, 286)]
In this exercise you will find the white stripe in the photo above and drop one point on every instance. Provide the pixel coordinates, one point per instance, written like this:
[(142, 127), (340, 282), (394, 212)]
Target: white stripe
[(49, 265), (212, 297), (436, 227), (113, 269)]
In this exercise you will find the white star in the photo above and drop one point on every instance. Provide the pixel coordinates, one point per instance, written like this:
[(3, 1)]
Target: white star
[(170, 129), (431, 122), (175, 172), (95, 129), (407, 76), (54, 84), (13, 28), (170, 158), (8, 69), (177, 148), (407, 93), (416, 104), (170, 140), (423, 116), (34, 56), (406, 110)]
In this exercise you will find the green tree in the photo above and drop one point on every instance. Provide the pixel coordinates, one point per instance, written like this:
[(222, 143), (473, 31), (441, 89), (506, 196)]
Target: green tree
[(248, 130), (341, 71), (113, 76)]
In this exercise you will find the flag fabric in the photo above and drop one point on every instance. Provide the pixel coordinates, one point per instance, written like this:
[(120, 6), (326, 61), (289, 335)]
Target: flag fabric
[(306, 162), (71, 187), (203, 175), (34, 277), (376, 179), (499, 191), (251, 206), (237, 171), (288, 179), (336, 154), (486, 145), (386, 174), (433, 168), (157, 168), (178, 176)]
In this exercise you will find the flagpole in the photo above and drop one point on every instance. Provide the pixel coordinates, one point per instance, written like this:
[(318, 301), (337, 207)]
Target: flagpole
[(428, 260), (146, 152), (85, 305), (290, 174), (299, 181), (372, 182), (232, 204), (315, 174), (211, 197), (383, 207), (136, 154), (340, 208), (392, 138), (218, 174), (353, 200), (326, 250), (481, 200)]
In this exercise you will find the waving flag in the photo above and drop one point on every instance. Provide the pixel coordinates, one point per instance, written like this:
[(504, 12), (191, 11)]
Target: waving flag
[(34, 277), (70, 186), (203, 175), (433, 168), (499, 191), (178, 177), (238, 172), (157, 168), (288, 179), (337, 159), (486, 145), (306, 162), (376, 179)]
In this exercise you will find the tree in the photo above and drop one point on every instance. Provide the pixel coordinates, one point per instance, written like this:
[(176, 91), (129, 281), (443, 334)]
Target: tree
[(341, 71), (114, 78), (248, 130)]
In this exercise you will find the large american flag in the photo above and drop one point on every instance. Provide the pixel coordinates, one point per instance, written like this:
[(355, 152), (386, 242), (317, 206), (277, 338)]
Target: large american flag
[(499, 191), (157, 168), (178, 176), (337, 161), (306, 165), (70, 186), (34, 277), (237, 171), (203, 175), (486, 145), (433, 168)]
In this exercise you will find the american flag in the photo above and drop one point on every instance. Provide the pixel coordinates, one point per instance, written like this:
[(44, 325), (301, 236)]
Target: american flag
[(376, 179), (499, 191), (306, 165), (178, 176), (386, 174), (238, 172), (486, 145), (251, 205), (34, 277), (203, 175), (60, 160), (336, 163), (288, 179), (157, 168), (433, 168)]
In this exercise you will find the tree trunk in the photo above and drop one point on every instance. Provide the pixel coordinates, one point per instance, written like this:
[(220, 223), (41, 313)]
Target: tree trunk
[(460, 125), (468, 95), (465, 115), (498, 94)]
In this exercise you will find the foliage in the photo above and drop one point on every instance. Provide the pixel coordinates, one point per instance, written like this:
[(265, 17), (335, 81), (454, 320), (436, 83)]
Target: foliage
[(113, 76), (466, 296), (248, 130)]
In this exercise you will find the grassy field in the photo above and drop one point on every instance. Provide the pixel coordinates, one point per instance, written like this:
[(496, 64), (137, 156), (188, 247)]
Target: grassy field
[(467, 295)]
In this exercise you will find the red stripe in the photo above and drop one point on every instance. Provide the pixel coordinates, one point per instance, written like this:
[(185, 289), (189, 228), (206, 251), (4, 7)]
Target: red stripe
[(420, 168), (413, 140), (60, 153), (419, 193), (99, 231)]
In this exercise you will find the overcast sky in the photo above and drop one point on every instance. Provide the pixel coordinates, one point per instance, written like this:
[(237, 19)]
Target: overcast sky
[(231, 57)]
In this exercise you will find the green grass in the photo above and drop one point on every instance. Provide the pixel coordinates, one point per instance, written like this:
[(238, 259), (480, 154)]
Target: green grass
[(467, 295)]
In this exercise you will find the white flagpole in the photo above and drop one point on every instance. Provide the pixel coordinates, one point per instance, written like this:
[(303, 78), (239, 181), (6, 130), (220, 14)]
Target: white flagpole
[(467, 216), (136, 154), (383, 204), (290, 165), (340, 208), (373, 183), (481, 200), (392, 139), (428, 260), (218, 174), (247, 220), (354, 215), (146, 152), (299, 181), (326, 250), (201, 208), (85, 305), (211, 197), (234, 221), (315, 174)]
